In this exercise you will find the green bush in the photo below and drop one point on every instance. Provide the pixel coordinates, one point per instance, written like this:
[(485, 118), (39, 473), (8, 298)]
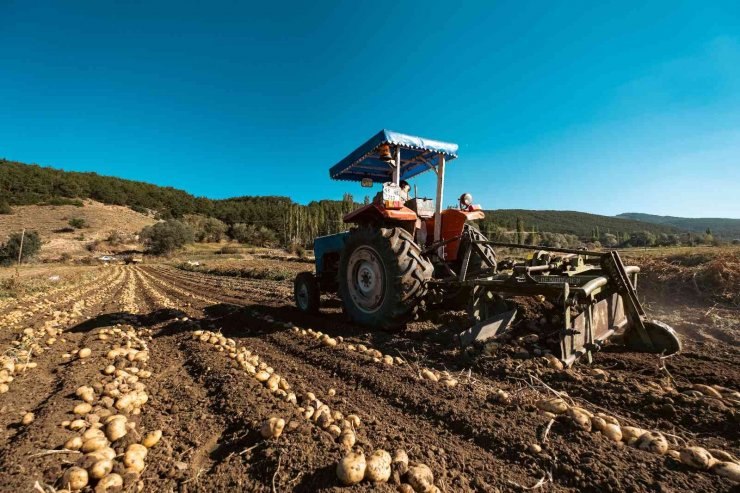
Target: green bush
[(166, 236), (10, 250), (77, 222), (253, 235), (5, 207)]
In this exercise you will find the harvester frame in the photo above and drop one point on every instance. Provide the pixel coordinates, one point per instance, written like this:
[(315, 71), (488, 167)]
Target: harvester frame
[(400, 256)]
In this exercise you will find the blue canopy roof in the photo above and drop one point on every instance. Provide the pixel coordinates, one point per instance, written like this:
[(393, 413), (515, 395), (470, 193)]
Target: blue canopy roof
[(417, 155)]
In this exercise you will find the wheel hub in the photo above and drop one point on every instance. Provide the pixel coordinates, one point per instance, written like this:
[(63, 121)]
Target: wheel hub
[(302, 296), (365, 279)]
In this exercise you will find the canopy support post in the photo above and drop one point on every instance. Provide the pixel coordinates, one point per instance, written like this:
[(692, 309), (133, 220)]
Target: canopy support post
[(397, 169), (438, 205)]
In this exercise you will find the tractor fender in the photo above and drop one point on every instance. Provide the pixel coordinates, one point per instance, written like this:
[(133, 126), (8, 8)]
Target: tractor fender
[(453, 222), (324, 246), (373, 212)]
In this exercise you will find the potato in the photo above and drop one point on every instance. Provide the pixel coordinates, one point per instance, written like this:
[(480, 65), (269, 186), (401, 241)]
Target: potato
[(612, 432), (334, 430), (707, 390), (4, 388), (92, 433), (78, 424), (324, 419), (355, 420), (378, 467), (73, 443), (93, 444), (696, 457), (27, 419), (429, 375), (721, 455), (630, 434), (111, 482), (555, 405), (138, 449), (328, 341), (652, 441), (101, 468), (262, 376), (351, 468), (273, 382), (420, 477), (405, 488), (84, 353), (727, 469), (400, 461), (347, 439), (75, 478), (152, 439), (272, 428), (83, 408), (388, 359), (105, 453), (608, 419), (579, 418), (553, 362), (116, 429), (134, 464)]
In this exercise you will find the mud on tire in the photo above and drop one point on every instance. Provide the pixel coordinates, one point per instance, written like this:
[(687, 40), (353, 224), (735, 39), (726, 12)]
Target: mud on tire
[(382, 277)]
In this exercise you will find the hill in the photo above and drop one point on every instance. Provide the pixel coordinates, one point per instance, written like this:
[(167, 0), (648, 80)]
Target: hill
[(720, 227), (102, 223), (581, 224)]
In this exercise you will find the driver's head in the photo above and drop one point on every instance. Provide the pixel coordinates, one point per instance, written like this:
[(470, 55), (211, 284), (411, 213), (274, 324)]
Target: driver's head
[(404, 185)]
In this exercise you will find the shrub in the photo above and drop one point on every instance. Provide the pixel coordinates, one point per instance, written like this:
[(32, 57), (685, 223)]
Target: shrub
[(139, 209), (166, 236), (10, 249), (253, 235), (5, 207), (207, 229), (77, 222)]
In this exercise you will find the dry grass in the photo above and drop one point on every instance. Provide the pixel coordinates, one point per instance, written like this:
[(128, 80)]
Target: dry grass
[(50, 222)]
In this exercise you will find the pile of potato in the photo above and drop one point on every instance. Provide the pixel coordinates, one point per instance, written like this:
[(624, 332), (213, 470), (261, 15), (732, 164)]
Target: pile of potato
[(113, 451), (718, 461), (376, 356), (380, 467), (316, 412), (727, 396)]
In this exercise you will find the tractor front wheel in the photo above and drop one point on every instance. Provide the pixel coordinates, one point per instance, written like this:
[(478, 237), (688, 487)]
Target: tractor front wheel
[(382, 276), (306, 292)]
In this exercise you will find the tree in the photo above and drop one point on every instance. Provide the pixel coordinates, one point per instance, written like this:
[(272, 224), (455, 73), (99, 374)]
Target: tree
[(206, 229), (31, 243), (77, 222), (166, 236), (253, 235), (610, 240), (519, 230)]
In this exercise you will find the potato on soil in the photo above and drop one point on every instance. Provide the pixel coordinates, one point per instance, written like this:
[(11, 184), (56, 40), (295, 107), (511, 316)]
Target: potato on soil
[(101, 468), (152, 439), (696, 457), (27, 419), (630, 434), (378, 467), (652, 441), (579, 418), (84, 353), (555, 405), (420, 477), (272, 428), (351, 468), (75, 478), (400, 461), (83, 408), (729, 470), (347, 439)]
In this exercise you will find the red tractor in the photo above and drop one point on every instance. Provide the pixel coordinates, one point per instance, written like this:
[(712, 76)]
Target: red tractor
[(406, 251)]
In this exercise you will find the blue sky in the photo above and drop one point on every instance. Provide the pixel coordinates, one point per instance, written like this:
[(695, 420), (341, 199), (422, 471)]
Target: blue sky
[(603, 107)]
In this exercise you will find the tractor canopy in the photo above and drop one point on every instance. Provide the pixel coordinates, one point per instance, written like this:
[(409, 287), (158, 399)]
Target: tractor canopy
[(417, 155)]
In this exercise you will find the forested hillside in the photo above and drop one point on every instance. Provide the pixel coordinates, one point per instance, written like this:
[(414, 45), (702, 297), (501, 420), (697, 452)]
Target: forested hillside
[(291, 223), (721, 227)]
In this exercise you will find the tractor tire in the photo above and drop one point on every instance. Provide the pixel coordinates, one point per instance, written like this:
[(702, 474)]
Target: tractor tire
[(382, 277), (306, 293), (477, 267)]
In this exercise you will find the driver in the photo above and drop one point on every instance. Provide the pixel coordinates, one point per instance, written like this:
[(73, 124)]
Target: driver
[(405, 189)]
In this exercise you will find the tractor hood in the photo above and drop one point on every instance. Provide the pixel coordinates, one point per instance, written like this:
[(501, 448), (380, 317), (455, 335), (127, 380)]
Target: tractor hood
[(417, 155)]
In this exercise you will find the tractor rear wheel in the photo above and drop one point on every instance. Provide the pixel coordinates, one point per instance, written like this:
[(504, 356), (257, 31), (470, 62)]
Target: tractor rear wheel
[(382, 276)]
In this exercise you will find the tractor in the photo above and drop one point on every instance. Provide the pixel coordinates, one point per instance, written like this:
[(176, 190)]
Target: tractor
[(406, 252)]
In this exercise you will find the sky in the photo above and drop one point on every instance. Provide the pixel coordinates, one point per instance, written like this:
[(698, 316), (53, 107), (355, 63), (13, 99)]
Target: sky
[(603, 107)]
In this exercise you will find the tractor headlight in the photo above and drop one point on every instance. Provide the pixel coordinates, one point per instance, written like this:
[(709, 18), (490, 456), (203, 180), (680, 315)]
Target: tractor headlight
[(466, 199)]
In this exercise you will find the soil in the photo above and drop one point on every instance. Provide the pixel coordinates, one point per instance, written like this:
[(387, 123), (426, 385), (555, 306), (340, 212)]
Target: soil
[(210, 411)]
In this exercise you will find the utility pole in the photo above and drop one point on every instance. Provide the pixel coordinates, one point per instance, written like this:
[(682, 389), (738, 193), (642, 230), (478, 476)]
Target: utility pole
[(20, 253)]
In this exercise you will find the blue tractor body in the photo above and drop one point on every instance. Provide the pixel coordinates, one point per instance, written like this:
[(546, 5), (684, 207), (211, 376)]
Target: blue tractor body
[(327, 250)]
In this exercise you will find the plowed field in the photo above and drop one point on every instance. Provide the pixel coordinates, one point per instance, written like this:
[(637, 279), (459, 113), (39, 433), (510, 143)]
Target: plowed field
[(182, 352)]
